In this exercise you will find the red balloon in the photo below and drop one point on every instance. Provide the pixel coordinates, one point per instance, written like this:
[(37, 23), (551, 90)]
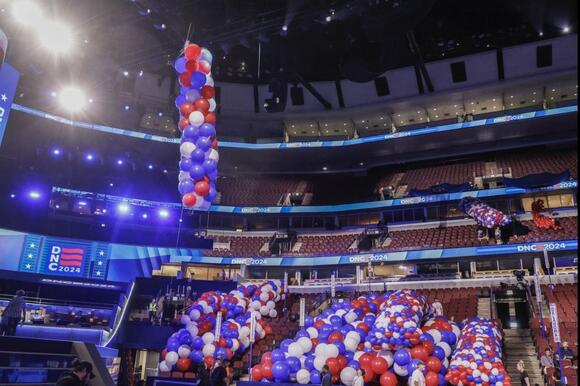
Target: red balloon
[(333, 366), (365, 360), (431, 379), (209, 362), (429, 346), (419, 352), (335, 337), (210, 118), (388, 379), (342, 361), (202, 189), (191, 66), (202, 105), (188, 200), (379, 365), (318, 323), (183, 122), (257, 373), (369, 375), (163, 353), (204, 66), (214, 144), (433, 364), (267, 371), (192, 52), (186, 108), (185, 79), (266, 358), (363, 326), (207, 92), (183, 364)]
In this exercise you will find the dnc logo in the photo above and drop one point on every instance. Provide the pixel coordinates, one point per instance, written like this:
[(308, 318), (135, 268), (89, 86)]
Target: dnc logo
[(65, 260)]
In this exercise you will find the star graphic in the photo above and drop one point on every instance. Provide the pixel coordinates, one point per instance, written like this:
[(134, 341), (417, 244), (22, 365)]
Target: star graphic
[(100, 263), (4, 97), (98, 273), (101, 253), (32, 245), (28, 266), (30, 255)]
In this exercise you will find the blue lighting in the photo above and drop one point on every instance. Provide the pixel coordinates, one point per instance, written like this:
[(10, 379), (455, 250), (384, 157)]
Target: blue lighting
[(123, 208), (56, 152), (119, 162), (103, 225), (82, 203), (12, 195), (34, 194), (127, 107), (160, 114), (144, 215), (89, 157), (163, 213), (150, 167)]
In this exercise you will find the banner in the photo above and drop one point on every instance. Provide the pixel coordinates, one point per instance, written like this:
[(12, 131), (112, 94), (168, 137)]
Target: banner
[(302, 311), (253, 328), (555, 323), (8, 83)]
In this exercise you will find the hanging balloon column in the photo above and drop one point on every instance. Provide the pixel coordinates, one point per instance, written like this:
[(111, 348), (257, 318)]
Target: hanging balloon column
[(477, 358), (197, 120), (483, 214), (541, 220), (197, 343)]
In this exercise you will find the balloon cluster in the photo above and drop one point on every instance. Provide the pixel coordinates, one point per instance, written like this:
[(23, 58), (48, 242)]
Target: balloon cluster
[(196, 342), (541, 220), (199, 146), (350, 335), (483, 214), (477, 358)]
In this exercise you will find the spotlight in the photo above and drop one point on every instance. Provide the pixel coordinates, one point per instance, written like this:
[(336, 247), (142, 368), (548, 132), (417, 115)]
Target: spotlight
[(56, 152), (125, 73), (127, 107), (285, 28), (12, 195), (55, 37), (120, 163), (163, 213), (53, 94), (89, 157), (566, 29), (123, 208), (72, 99), (103, 225), (26, 12), (34, 194), (150, 167), (540, 34), (91, 100), (82, 203), (328, 19), (144, 216)]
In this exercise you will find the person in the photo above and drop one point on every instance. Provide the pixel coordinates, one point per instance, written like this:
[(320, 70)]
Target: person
[(152, 310), (524, 377), (219, 376), (159, 310), (567, 352), (556, 378), (437, 307), (417, 378), (547, 361), (81, 372), (359, 379), (203, 375), (14, 313), (230, 373), (325, 376)]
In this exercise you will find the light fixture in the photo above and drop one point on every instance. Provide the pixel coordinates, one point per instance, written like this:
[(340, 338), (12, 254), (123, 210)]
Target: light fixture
[(123, 208), (324, 168), (89, 157), (55, 37), (163, 213), (144, 216), (127, 107), (27, 12), (103, 225), (284, 28), (12, 195), (150, 167), (34, 194), (566, 29), (120, 162), (56, 152), (72, 99)]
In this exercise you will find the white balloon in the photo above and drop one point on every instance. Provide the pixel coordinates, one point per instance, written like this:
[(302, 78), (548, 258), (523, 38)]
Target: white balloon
[(264, 310), (192, 328), (400, 370), (206, 55), (264, 296), (196, 118), (235, 345), (306, 344), (388, 357), (295, 350), (186, 149), (185, 319), (184, 351), (319, 362), (273, 313), (171, 358), (331, 351), (357, 355), (445, 346), (208, 350), (312, 332), (209, 81), (436, 335), (350, 344), (303, 377), (354, 336), (244, 332), (320, 350), (208, 338), (350, 317), (212, 105), (183, 176), (270, 304), (164, 367), (347, 376)]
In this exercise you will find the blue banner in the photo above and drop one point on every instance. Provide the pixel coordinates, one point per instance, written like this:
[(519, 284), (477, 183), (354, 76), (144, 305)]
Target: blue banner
[(303, 145), (8, 83)]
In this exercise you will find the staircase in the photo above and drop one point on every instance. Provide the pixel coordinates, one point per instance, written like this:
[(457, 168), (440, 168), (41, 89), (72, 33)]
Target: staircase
[(518, 345)]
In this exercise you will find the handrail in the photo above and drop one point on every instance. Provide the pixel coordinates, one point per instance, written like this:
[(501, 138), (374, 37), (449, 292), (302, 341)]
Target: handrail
[(122, 314)]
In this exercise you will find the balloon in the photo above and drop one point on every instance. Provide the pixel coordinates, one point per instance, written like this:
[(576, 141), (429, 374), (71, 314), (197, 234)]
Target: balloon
[(419, 352), (210, 118), (185, 165), (319, 362), (347, 376), (206, 55), (281, 371), (180, 64), (188, 200), (187, 108), (212, 105), (191, 95), (209, 165), (295, 350), (191, 132), (171, 358), (431, 379), (379, 365), (196, 118), (201, 188), (186, 186), (433, 364), (204, 144), (164, 367), (207, 130), (303, 377), (369, 375), (185, 79), (184, 352), (388, 379), (183, 364), (196, 172), (192, 52), (208, 92), (186, 149), (293, 364), (402, 357), (209, 361), (204, 66), (333, 366), (197, 80), (257, 373)]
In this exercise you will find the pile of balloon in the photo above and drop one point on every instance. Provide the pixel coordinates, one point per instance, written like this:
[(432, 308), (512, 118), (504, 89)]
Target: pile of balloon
[(196, 342), (199, 146), (477, 358), (383, 335), (483, 214)]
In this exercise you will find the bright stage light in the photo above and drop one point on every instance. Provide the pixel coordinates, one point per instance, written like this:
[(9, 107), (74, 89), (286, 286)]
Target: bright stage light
[(163, 213), (72, 99), (26, 12), (123, 208), (34, 195), (56, 37)]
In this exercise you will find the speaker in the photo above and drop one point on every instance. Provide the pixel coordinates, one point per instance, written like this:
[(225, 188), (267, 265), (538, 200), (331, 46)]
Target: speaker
[(458, 73), (382, 86), (278, 87), (544, 56), (297, 96)]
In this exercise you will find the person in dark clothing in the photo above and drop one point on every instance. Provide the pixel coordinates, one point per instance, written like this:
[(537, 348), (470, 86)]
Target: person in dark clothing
[(14, 313), (203, 375), (524, 377), (326, 377), (82, 372), (219, 375)]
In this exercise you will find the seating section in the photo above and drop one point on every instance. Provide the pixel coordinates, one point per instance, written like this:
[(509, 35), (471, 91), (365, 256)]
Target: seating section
[(250, 190), (457, 305), (448, 237), (565, 296)]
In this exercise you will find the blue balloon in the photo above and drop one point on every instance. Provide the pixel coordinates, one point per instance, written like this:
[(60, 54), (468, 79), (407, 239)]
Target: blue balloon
[(315, 377), (173, 344), (221, 353), (277, 355), (207, 130), (281, 371), (180, 100), (354, 364), (412, 366), (285, 344), (209, 166), (192, 95), (186, 186), (341, 347), (197, 343), (302, 334), (198, 156), (402, 357), (293, 363), (191, 132), (203, 143), (196, 356), (198, 80), (180, 64), (185, 165), (309, 362), (196, 172)]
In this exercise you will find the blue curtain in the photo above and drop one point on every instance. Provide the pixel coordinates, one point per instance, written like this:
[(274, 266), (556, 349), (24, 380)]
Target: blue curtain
[(537, 180)]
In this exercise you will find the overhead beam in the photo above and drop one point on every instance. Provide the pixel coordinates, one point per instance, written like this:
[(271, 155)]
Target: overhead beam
[(308, 86)]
